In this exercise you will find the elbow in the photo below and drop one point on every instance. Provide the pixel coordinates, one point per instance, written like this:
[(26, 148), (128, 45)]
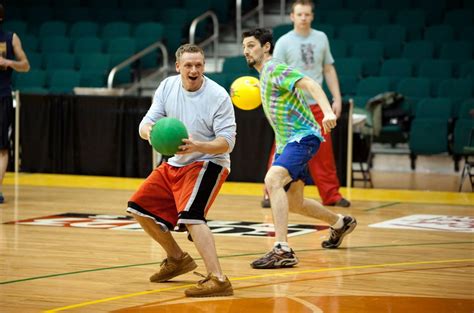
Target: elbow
[(25, 67)]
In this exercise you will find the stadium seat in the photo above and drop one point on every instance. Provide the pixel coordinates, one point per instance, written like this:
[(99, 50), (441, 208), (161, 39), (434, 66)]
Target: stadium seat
[(329, 5), (63, 81), (414, 20), (328, 29), (87, 44), (339, 17), (374, 18), (427, 136), (456, 89), (418, 50), (371, 53), (349, 67), (436, 70), (339, 48), (361, 4), (55, 44), (72, 14), (458, 18), (59, 61), (353, 33), (393, 38), (116, 29), (434, 108), (93, 61), (108, 15), (52, 28), (372, 86), (17, 26), (33, 81), (456, 51), (414, 89), (140, 15), (36, 60), (348, 84), (397, 69), (84, 29), (439, 34), (396, 6)]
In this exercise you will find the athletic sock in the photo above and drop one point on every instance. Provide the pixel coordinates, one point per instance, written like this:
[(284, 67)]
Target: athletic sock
[(282, 245), (339, 223)]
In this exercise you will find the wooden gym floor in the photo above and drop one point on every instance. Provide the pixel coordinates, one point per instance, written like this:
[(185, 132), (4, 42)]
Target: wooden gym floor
[(101, 262)]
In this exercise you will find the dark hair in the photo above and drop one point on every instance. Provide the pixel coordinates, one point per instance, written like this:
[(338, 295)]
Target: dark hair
[(263, 35), (2, 12)]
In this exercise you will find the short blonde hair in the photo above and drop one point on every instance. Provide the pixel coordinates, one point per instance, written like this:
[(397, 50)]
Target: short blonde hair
[(189, 48), (302, 2)]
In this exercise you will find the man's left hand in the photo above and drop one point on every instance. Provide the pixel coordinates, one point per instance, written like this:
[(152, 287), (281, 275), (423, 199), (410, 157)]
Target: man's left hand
[(337, 107)]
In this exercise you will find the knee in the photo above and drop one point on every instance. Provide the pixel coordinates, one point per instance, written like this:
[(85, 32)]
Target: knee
[(272, 181), (141, 219)]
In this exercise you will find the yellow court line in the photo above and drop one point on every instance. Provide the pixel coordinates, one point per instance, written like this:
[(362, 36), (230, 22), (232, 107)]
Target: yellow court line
[(243, 189), (344, 268)]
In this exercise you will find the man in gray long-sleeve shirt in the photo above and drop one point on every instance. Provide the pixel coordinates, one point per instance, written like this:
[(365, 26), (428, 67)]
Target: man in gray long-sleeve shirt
[(180, 192)]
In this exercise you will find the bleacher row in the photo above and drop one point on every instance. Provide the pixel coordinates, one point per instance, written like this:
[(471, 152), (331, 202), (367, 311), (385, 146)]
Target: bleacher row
[(86, 48), (88, 38)]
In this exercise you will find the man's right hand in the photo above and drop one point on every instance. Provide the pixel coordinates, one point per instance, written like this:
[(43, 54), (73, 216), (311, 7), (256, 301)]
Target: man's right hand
[(329, 122)]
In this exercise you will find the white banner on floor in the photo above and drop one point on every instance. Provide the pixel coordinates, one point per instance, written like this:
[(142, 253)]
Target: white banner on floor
[(451, 223)]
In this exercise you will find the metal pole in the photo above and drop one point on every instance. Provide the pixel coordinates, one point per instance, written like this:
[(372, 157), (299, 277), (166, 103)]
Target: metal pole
[(260, 13), (282, 10), (238, 20), (17, 131), (349, 146)]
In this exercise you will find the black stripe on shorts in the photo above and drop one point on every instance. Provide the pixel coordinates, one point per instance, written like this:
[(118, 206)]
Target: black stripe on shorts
[(209, 181)]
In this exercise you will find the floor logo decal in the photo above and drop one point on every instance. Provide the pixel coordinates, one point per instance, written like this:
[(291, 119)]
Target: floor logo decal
[(450, 223), (125, 222)]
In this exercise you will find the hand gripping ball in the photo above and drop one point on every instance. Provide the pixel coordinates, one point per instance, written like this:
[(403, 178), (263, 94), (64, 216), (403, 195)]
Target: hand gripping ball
[(167, 134)]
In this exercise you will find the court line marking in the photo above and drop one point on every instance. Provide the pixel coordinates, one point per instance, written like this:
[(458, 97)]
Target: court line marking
[(381, 206), (226, 257), (307, 304), (253, 277)]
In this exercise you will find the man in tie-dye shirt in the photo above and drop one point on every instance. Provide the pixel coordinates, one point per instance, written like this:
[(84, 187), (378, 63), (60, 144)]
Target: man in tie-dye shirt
[(298, 137)]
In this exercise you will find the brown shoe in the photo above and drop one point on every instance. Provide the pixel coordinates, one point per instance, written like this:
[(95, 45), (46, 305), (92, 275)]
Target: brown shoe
[(170, 268), (210, 286)]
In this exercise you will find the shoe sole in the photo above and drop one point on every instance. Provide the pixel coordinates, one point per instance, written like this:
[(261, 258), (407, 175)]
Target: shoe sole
[(347, 232), (184, 270), (271, 266)]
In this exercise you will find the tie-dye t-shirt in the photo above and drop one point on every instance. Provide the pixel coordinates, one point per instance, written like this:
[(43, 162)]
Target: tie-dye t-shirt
[(285, 106)]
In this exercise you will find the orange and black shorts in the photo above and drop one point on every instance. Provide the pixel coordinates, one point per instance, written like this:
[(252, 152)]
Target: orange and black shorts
[(174, 196)]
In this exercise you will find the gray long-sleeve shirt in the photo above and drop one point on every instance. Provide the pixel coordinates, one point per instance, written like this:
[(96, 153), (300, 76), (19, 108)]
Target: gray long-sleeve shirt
[(207, 113)]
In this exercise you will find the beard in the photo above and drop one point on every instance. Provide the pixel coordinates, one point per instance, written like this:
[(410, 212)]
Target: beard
[(251, 62)]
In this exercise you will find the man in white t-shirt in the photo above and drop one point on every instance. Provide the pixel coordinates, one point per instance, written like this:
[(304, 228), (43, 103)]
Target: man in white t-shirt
[(178, 193), (308, 50)]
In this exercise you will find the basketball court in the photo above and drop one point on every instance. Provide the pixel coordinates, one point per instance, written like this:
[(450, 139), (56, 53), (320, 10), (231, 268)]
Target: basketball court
[(68, 245)]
